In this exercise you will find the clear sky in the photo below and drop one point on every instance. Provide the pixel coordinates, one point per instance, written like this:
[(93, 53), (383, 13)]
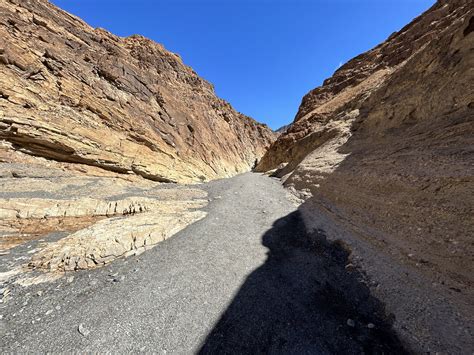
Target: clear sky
[(261, 55)]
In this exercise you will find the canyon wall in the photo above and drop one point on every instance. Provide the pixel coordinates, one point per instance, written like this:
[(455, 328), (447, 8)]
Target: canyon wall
[(383, 154), (92, 127), (82, 96)]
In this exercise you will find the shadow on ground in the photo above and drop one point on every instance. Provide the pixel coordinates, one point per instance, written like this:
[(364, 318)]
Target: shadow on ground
[(303, 300)]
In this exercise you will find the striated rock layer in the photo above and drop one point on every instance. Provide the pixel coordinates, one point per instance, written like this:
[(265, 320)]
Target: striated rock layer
[(385, 149), (58, 221), (75, 94)]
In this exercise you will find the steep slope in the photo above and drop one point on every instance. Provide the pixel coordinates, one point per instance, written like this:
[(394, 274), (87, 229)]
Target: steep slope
[(75, 94), (383, 151)]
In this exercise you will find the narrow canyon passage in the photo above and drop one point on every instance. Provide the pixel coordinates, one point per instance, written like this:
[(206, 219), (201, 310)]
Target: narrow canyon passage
[(129, 221), (241, 279)]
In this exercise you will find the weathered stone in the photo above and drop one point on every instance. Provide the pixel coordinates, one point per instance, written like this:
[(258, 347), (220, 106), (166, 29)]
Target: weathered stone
[(79, 95), (384, 151), (386, 144), (124, 218), (83, 330), (110, 239)]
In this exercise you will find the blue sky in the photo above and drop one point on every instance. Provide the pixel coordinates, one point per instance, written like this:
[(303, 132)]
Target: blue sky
[(261, 55)]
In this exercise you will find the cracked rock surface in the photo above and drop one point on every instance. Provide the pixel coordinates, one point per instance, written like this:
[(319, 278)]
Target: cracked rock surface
[(79, 95), (80, 222)]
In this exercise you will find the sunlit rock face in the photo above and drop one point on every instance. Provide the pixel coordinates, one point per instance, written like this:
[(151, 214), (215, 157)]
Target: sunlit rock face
[(91, 127), (53, 220), (385, 145), (79, 95)]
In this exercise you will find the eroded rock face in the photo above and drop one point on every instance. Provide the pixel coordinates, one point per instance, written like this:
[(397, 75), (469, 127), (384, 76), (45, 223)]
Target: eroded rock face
[(113, 238), (80, 95), (388, 138), (385, 149), (70, 222)]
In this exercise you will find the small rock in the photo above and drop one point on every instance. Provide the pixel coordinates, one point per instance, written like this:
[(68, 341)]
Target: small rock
[(350, 323), (93, 282), (5, 292), (371, 325), (118, 279), (70, 279), (58, 308), (49, 312), (83, 330), (39, 293)]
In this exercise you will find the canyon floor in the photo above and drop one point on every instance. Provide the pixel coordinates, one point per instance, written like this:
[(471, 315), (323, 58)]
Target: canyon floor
[(243, 279)]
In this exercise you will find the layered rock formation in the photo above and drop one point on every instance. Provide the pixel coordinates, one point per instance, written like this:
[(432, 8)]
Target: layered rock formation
[(69, 221), (87, 119), (75, 94), (385, 149)]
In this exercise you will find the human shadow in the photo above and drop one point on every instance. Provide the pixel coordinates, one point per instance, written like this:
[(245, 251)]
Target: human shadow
[(305, 299)]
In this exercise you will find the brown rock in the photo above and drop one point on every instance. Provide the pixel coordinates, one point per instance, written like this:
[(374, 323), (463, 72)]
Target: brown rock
[(386, 139), (122, 218), (80, 95), (385, 148)]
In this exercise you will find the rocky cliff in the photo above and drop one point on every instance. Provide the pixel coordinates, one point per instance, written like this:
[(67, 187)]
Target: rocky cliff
[(87, 120), (384, 150), (74, 94)]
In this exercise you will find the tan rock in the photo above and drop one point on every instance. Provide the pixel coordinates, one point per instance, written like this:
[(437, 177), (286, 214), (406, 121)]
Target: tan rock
[(123, 218), (382, 154), (75, 94), (110, 239), (385, 145)]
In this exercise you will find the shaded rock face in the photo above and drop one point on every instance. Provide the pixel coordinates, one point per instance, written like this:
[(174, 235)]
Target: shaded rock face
[(385, 147), (75, 94)]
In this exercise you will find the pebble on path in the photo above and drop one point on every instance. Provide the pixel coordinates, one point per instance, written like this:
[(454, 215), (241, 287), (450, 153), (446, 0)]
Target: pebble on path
[(83, 330)]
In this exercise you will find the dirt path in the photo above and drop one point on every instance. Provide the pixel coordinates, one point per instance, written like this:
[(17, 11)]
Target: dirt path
[(247, 279)]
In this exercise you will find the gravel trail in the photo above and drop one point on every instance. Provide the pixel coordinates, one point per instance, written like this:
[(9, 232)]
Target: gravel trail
[(248, 278)]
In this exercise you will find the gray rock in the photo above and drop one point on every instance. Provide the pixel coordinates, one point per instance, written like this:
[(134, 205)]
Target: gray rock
[(118, 279), (83, 330)]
